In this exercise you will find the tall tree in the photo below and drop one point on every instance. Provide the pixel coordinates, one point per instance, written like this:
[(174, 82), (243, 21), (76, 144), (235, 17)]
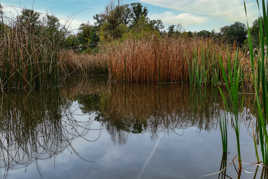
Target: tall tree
[(1, 13), (1, 20), (137, 11), (30, 17), (255, 31), (88, 37), (54, 31), (30, 20), (236, 32)]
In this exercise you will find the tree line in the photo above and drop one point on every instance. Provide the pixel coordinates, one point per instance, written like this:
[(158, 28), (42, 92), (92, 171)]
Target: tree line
[(117, 23)]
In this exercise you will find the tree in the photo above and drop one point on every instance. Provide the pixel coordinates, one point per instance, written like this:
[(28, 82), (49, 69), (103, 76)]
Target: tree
[(120, 21), (29, 16), (204, 34), (72, 42), (174, 30), (137, 12), (236, 32), (157, 25), (88, 37), (1, 13), (54, 31), (29, 20), (255, 31), (2, 25)]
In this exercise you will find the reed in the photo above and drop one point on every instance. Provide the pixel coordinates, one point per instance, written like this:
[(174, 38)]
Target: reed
[(28, 59), (191, 60), (258, 69), (232, 100), (83, 64), (224, 135)]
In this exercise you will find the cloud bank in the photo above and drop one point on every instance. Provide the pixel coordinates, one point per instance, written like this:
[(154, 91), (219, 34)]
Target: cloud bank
[(192, 12)]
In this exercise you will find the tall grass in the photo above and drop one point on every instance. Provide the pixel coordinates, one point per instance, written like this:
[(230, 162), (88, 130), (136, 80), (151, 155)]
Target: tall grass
[(191, 60), (84, 64), (27, 59), (232, 99), (258, 68)]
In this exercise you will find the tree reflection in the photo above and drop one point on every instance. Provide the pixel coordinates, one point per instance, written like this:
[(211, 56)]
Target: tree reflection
[(35, 127), (138, 108)]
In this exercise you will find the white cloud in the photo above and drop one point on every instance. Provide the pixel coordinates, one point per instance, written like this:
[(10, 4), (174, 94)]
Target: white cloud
[(10, 12), (184, 19), (224, 10)]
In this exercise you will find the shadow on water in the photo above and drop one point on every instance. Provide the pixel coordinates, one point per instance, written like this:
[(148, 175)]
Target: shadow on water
[(42, 125)]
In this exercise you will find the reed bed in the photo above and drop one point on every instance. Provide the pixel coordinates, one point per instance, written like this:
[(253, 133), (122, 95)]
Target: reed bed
[(173, 60), (32, 59), (72, 62), (28, 59)]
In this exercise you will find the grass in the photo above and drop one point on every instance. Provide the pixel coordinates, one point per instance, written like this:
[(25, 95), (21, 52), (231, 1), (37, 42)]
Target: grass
[(27, 60), (224, 135), (232, 100), (31, 60), (189, 60), (83, 64), (258, 68)]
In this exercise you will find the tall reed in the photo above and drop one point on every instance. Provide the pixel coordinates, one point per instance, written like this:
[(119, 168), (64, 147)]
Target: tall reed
[(232, 99), (28, 58), (191, 60), (258, 69)]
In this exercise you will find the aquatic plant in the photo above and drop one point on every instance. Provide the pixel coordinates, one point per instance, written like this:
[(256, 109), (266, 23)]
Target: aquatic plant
[(232, 99), (188, 60), (258, 69)]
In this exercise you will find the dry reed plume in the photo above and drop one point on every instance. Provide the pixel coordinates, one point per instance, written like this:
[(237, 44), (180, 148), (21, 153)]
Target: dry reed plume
[(172, 60)]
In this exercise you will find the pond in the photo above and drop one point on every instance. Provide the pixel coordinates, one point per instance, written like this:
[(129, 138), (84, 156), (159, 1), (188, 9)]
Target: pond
[(93, 129)]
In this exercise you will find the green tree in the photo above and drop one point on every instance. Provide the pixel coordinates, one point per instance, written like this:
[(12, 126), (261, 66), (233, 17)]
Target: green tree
[(1, 13), (1, 20), (121, 21), (255, 31), (30, 20), (236, 32), (137, 11), (88, 37), (204, 34), (54, 31), (174, 30), (157, 25), (72, 42)]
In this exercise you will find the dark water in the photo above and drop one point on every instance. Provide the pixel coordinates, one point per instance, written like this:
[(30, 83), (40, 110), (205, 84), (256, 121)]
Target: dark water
[(94, 130)]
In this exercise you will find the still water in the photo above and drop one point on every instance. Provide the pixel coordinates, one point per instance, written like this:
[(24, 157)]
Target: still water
[(91, 129)]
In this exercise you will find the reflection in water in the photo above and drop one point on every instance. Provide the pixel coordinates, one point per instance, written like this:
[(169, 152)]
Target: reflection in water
[(39, 126), (35, 127), (134, 108)]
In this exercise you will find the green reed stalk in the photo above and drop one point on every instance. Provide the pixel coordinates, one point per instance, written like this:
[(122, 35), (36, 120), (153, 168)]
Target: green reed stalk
[(232, 100), (224, 135), (260, 82)]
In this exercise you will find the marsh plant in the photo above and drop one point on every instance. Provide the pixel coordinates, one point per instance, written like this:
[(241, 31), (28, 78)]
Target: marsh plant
[(258, 69), (231, 99)]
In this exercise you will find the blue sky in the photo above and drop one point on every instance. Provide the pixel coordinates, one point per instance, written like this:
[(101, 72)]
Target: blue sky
[(192, 14)]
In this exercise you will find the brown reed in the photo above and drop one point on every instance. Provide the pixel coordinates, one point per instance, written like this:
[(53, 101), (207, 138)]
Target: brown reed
[(172, 60)]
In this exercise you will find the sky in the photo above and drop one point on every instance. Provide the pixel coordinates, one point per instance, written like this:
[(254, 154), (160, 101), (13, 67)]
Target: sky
[(194, 15)]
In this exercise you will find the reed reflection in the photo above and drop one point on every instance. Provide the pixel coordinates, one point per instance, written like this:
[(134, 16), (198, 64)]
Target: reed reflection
[(127, 109), (36, 127)]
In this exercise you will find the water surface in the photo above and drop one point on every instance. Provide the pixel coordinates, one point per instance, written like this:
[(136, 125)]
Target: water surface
[(92, 129)]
